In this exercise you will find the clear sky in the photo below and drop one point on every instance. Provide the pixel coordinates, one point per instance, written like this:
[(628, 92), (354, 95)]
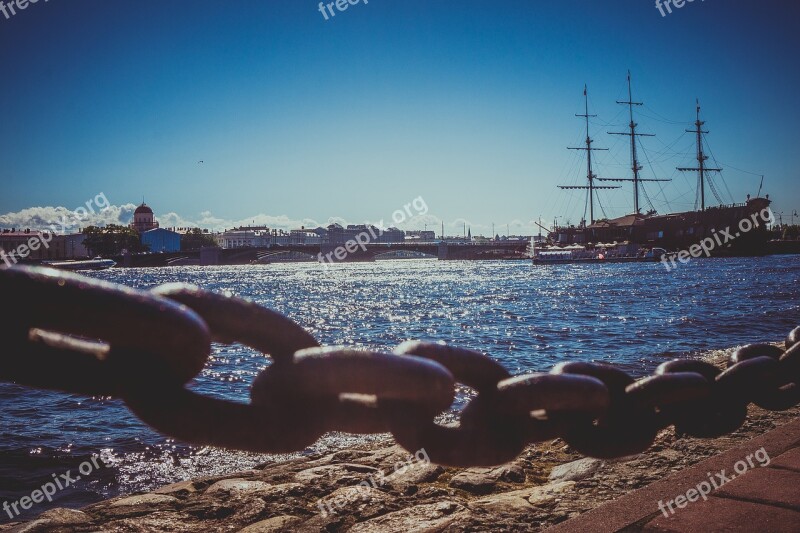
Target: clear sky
[(468, 104)]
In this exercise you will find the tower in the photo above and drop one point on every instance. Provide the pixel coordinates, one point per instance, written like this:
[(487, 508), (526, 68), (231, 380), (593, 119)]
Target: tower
[(143, 219)]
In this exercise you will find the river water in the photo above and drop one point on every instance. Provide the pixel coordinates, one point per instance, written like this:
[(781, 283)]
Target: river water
[(527, 317)]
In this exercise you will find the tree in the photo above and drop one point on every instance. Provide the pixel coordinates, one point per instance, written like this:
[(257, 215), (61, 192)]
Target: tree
[(196, 239), (112, 240)]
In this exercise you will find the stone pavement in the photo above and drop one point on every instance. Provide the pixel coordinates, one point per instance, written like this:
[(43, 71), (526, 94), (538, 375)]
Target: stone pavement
[(756, 490)]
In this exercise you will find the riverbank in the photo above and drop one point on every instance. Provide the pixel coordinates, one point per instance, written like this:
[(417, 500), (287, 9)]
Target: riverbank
[(546, 485)]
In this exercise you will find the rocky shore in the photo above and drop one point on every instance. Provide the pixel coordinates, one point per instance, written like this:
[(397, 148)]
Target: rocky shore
[(380, 487)]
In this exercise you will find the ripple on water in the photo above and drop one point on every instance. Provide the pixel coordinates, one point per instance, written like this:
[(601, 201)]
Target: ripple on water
[(528, 318)]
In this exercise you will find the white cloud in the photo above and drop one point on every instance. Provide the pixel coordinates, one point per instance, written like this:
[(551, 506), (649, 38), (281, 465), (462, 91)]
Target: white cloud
[(62, 219), (46, 217)]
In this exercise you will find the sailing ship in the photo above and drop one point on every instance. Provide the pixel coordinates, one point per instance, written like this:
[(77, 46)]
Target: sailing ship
[(643, 235)]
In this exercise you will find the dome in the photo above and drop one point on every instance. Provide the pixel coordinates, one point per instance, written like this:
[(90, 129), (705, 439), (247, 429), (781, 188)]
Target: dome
[(142, 210)]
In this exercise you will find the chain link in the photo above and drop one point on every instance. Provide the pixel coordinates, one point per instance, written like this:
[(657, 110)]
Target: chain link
[(88, 337)]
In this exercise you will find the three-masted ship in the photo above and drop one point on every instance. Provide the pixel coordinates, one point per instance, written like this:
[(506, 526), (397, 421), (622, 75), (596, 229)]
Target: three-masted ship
[(639, 234)]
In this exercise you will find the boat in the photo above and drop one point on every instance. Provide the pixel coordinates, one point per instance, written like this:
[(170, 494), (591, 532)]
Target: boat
[(98, 263), (625, 252), (651, 231)]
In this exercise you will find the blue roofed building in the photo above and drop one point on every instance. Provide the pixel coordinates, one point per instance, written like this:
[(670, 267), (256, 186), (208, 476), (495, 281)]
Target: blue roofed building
[(162, 240)]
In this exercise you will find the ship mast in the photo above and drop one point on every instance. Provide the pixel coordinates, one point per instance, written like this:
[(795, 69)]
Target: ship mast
[(590, 176), (634, 157), (701, 160)]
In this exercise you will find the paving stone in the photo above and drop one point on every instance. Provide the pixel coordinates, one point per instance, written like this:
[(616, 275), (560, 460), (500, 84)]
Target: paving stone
[(635, 508), (766, 485), (726, 515), (790, 459)]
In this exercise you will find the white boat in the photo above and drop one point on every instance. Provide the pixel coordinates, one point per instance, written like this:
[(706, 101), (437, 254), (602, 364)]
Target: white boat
[(599, 253), (97, 263)]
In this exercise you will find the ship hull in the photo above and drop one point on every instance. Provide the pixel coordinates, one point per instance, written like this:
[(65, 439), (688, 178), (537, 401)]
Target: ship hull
[(736, 230)]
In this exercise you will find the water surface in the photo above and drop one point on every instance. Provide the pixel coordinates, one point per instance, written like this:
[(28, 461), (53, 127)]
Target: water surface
[(527, 317)]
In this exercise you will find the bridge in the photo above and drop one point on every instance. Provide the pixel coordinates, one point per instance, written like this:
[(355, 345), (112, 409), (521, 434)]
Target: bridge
[(331, 253)]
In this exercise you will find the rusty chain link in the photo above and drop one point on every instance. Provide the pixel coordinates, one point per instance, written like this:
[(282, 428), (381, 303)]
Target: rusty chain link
[(83, 336)]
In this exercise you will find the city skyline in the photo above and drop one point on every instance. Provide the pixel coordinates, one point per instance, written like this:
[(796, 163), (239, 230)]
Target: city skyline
[(271, 114), (39, 219)]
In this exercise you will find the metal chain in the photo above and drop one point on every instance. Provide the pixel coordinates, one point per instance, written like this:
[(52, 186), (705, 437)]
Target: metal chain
[(89, 337)]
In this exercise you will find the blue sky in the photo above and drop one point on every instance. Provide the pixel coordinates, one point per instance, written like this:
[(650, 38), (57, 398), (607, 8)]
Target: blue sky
[(468, 104)]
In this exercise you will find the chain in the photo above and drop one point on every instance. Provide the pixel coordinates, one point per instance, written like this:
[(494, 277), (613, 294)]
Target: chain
[(83, 336)]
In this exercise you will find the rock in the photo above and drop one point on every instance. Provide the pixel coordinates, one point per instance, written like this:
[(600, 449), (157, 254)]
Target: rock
[(349, 456), (276, 523), (61, 516), (483, 480), (550, 492), (411, 500), (54, 519), (238, 485), (513, 502), (151, 522), (347, 473), (181, 488), (576, 470), (283, 490), (145, 499), (426, 518), (347, 499), (418, 473), (520, 501), (37, 526)]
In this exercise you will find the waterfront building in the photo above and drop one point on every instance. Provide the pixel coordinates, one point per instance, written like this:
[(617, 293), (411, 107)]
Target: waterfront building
[(245, 237), (337, 234), (30, 245), (392, 235), (279, 238), (73, 246), (304, 236), (161, 240), (420, 236)]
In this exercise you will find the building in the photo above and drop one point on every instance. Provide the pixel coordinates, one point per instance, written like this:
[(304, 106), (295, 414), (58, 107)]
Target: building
[(420, 236), (143, 219), (161, 240), (29, 245), (73, 246), (263, 237), (337, 234), (392, 235), (245, 237), (304, 236)]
